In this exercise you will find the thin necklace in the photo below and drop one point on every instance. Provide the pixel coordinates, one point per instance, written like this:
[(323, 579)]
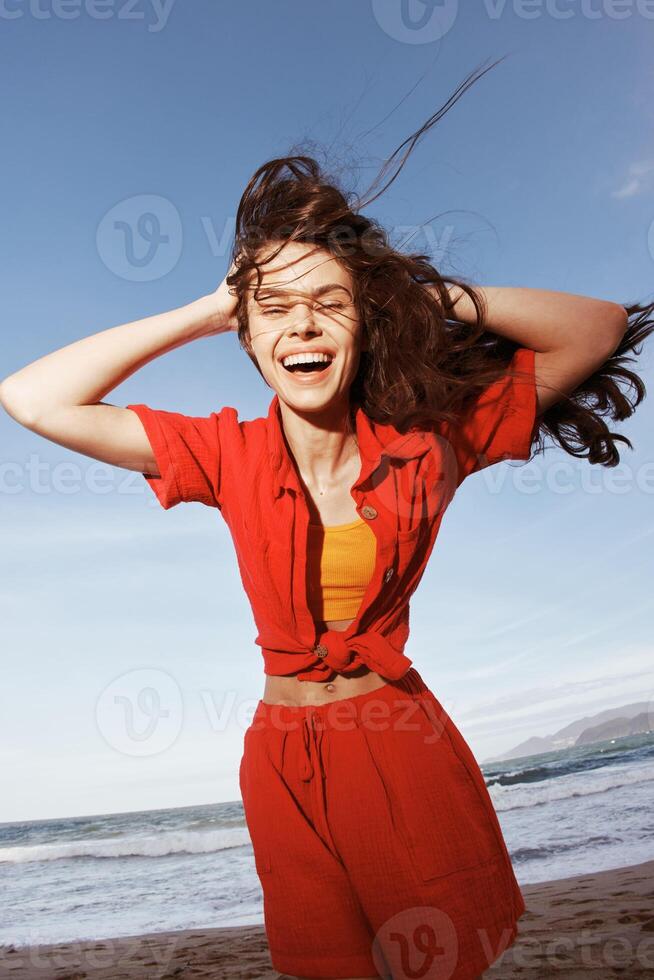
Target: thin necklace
[(354, 457)]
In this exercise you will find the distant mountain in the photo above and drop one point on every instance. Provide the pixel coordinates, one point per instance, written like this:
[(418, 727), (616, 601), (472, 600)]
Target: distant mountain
[(629, 719), (617, 728)]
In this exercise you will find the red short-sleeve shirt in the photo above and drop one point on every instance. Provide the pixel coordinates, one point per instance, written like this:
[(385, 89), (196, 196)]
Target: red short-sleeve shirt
[(405, 484)]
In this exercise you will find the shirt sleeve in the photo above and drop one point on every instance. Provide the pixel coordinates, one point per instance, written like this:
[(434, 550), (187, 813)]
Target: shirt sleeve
[(188, 452), (502, 421)]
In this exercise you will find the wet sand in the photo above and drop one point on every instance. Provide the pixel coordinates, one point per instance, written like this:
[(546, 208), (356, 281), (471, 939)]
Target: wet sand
[(594, 926)]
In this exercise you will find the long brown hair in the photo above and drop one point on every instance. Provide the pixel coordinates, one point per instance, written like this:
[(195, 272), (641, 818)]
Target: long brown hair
[(421, 366)]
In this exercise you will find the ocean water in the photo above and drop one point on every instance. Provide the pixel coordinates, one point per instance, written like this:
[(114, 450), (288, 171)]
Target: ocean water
[(563, 813)]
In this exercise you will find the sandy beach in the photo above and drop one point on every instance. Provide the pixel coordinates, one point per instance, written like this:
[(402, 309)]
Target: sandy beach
[(593, 925)]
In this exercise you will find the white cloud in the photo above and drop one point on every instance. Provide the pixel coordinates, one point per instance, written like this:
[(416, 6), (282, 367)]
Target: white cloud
[(640, 178)]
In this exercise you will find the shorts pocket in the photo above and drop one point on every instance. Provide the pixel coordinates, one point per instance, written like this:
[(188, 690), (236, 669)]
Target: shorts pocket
[(435, 805), (254, 808)]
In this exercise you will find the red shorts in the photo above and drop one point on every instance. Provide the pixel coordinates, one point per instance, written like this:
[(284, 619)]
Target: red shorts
[(376, 842)]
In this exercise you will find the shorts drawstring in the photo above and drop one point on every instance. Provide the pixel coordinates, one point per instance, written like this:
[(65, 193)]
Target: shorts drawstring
[(312, 769), (311, 749)]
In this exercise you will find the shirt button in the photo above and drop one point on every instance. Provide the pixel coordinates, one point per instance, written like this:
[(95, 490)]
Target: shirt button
[(320, 650), (388, 574), (368, 511)]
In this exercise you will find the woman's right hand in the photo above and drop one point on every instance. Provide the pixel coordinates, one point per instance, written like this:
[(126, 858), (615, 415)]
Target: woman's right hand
[(223, 306)]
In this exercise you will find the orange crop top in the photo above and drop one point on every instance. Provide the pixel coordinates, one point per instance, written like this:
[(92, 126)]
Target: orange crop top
[(340, 564)]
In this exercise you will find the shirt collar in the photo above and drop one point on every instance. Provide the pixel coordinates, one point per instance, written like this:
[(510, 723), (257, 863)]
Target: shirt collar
[(375, 440)]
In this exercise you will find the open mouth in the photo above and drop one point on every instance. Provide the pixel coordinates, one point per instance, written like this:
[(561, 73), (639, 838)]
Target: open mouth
[(308, 366)]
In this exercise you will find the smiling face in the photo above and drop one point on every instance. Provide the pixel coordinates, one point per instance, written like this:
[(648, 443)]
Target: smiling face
[(305, 306)]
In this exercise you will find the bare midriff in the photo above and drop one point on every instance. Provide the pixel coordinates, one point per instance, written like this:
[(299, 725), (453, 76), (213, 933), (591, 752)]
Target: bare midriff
[(290, 690)]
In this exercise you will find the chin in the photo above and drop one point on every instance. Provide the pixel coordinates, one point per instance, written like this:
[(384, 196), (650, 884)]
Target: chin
[(310, 401)]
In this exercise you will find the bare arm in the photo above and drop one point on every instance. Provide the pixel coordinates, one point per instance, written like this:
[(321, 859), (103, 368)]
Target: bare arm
[(59, 396), (572, 335)]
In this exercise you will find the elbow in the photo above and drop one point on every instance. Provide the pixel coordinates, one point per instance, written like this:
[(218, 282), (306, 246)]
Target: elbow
[(614, 326), (15, 404), (619, 318)]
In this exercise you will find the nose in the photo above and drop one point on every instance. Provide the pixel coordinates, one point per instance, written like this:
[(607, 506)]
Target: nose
[(306, 328), (303, 321)]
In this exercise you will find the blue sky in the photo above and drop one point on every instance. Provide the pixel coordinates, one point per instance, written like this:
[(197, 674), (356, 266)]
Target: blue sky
[(129, 663)]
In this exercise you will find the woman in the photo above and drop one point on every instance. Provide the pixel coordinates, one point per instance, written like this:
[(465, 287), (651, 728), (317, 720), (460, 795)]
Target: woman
[(376, 843)]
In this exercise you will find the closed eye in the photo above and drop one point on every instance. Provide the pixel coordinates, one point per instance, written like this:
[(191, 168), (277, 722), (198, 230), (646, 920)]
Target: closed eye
[(282, 309)]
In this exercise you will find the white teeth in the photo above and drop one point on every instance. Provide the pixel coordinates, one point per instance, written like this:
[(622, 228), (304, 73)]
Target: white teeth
[(306, 359)]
